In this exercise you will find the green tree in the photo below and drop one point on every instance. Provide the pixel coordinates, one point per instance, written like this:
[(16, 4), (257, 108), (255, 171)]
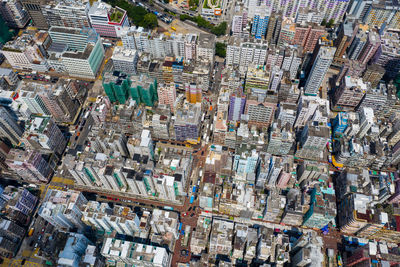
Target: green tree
[(203, 23), (135, 13), (220, 29), (150, 21), (166, 1), (330, 23), (323, 23), (220, 49), (183, 17)]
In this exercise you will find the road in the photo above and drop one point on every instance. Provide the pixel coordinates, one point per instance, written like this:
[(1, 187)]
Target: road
[(30, 245), (181, 27)]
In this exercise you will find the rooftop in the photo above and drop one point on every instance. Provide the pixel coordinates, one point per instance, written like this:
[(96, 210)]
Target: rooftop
[(81, 55), (207, 40)]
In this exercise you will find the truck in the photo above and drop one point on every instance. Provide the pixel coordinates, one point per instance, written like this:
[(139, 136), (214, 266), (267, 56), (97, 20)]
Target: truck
[(158, 14), (30, 233), (191, 199), (185, 239)]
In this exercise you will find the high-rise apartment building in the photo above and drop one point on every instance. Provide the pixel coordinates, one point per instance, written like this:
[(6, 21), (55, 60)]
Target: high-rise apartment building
[(274, 28), (237, 104), (347, 30), (350, 67), (260, 113), (373, 74), (239, 22), (245, 162), (313, 141), (205, 49), (116, 85), (193, 93), (44, 133), (9, 127), (187, 121), (307, 36), (86, 63), (349, 93), (125, 60), (388, 54), (73, 38), (276, 76), (190, 46), (305, 14), (13, 13), (106, 19), (291, 63), (382, 13), (371, 46), (24, 53), (63, 209), (366, 121), (48, 99), (359, 8), (313, 37), (246, 53), (257, 80), (70, 14), (34, 9), (319, 69), (334, 9), (287, 33), (360, 39), (259, 27), (132, 253), (281, 140), (143, 89), (29, 166), (301, 34), (167, 95)]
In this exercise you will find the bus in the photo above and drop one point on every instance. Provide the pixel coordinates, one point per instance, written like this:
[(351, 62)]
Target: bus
[(191, 199)]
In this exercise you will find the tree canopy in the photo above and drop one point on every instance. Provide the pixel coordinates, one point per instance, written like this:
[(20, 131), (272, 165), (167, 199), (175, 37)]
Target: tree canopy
[(220, 49), (150, 20), (136, 13), (220, 29)]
